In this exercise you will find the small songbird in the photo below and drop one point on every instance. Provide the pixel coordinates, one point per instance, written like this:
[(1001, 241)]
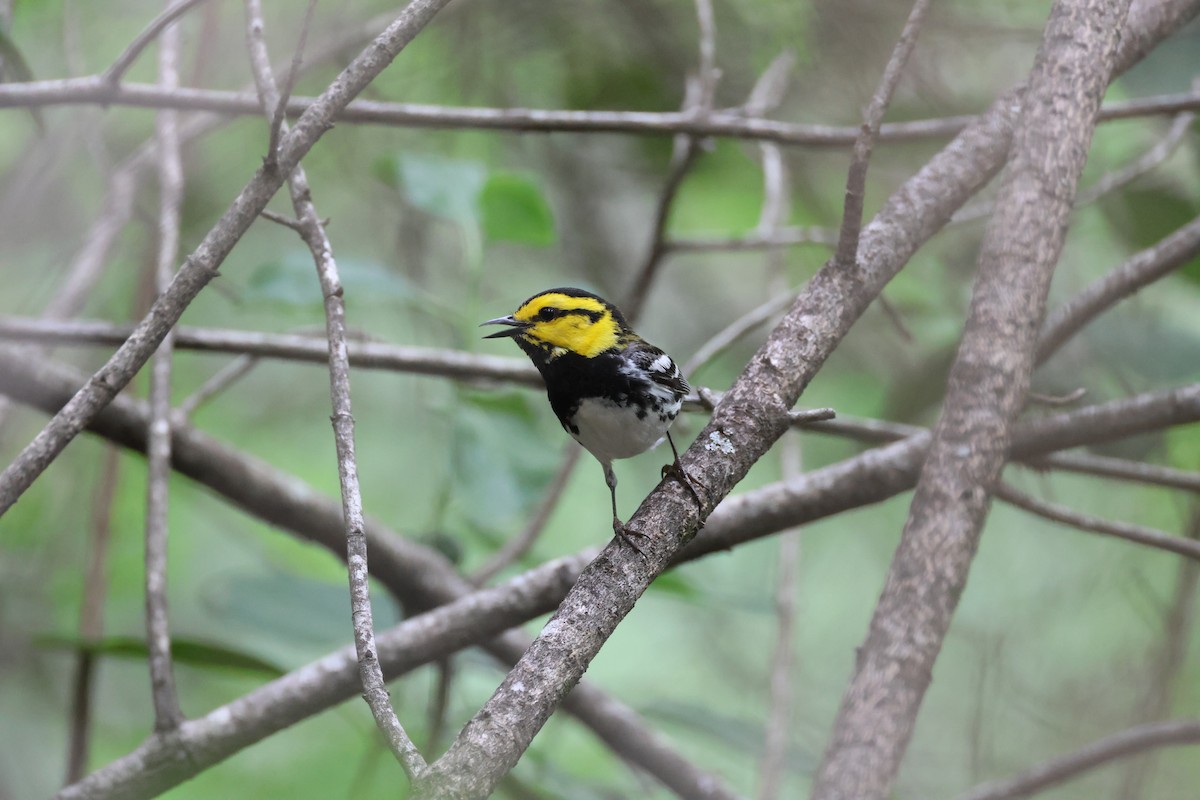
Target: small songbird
[(613, 391)]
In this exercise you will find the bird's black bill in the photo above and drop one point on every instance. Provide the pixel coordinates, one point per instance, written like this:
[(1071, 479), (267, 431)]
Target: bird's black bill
[(516, 327)]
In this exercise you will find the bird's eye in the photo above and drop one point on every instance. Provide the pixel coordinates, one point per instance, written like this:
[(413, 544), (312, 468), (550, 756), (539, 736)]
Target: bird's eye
[(548, 313)]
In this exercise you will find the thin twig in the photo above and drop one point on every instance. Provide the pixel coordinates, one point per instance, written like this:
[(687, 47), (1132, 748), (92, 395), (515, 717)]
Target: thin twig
[(279, 114), (167, 714), (725, 338), (1057, 400), (766, 95), (291, 223), (728, 123), (825, 237), (1111, 181), (513, 549), (114, 73), (91, 612), (856, 181), (1121, 469), (374, 687), (1129, 742), (366, 355), (1138, 534), (776, 207), (202, 265), (1168, 660), (697, 103), (221, 380), (1139, 271)]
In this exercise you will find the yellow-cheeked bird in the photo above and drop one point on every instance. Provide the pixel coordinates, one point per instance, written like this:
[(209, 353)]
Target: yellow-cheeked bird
[(613, 391)]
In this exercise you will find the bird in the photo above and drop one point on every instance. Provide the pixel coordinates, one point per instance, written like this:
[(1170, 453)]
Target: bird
[(614, 392)]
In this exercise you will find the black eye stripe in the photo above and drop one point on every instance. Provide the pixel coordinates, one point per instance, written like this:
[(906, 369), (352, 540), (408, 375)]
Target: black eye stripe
[(549, 312)]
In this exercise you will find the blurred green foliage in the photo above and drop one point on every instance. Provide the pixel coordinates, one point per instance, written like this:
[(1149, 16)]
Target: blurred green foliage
[(1058, 635)]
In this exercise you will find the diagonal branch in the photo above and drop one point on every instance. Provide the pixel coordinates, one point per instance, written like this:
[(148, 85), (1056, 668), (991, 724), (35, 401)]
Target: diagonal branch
[(1130, 742), (114, 73), (313, 232), (1188, 548), (1138, 272), (856, 180), (987, 389)]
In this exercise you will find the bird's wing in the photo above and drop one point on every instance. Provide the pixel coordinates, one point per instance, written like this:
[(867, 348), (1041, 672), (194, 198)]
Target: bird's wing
[(659, 368)]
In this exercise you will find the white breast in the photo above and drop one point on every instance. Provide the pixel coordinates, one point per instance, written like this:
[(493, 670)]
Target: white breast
[(611, 431)]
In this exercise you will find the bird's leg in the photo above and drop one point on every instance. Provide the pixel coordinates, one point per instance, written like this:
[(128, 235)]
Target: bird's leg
[(676, 470), (620, 529)]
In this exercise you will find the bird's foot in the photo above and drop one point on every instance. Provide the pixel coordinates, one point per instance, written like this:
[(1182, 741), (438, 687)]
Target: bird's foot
[(626, 534), (676, 471)]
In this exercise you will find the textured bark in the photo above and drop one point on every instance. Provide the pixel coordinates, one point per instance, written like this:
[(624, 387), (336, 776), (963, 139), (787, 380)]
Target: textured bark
[(988, 385)]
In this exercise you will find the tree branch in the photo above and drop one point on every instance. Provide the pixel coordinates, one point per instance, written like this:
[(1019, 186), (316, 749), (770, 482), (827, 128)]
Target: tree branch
[(167, 714), (730, 123), (987, 388), (856, 181), (114, 73), (313, 232), (1138, 272), (1188, 548), (1120, 745)]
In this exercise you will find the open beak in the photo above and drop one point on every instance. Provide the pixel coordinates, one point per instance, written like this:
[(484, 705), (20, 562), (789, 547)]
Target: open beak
[(514, 330)]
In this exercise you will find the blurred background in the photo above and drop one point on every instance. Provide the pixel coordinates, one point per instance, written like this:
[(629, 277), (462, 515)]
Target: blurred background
[(1061, 638)]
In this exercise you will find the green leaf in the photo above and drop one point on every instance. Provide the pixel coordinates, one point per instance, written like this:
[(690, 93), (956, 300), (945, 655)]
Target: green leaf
[(515, 210), (500, 457), (192, 652), (444, 187), (677, 584)]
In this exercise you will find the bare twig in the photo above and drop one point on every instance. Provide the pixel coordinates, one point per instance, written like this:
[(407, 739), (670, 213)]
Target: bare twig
[(219, 382), (91, 612), (697, 102), (1138, 534), (1130, 742), (1121, 468), (856, 180), (366, 355), (1057, 400), (278, 113), (374, 688), (114, 73), (1149, 160), (784, 236), (1139, 271), (201, 266), (513, 549), (729, 123), (291, 223), (1114, 180), (1167, 661), (725, 338), (776, 206), (167, 714)]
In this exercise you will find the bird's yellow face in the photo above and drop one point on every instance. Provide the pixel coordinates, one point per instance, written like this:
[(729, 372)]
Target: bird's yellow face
[(561, 321)]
